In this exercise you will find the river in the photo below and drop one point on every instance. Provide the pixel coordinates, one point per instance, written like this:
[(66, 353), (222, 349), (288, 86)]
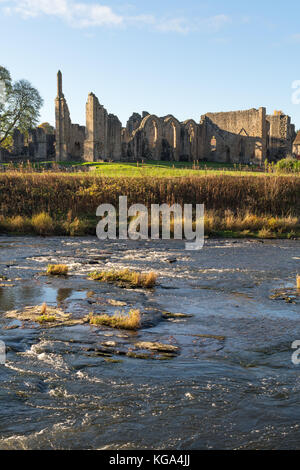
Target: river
[(230, 385)]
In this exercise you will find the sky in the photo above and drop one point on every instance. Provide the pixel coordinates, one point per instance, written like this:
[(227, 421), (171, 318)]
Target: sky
[(184, 58)]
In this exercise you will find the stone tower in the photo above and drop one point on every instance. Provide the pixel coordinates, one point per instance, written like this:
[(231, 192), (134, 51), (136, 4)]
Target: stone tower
[(63, 123), (95, 145)]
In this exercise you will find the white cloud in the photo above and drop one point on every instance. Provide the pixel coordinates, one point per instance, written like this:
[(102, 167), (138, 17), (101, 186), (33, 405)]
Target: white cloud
[(84, 15), (176, 25), (75, 13), (215, 23), (212, 24)]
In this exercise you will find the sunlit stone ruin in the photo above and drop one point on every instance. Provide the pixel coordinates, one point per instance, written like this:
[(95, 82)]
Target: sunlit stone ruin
[(245, 137)]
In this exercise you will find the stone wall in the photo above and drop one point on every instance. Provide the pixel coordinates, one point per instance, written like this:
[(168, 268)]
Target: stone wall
[(237, 137), (36, 145), (280, 136), (4, 154)]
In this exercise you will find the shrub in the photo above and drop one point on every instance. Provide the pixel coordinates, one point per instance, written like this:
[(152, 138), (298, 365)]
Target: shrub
[(289, 165)]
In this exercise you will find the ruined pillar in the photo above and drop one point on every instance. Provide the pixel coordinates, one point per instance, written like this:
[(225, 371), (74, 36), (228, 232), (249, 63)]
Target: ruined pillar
[(95, 145), (63, 123), (37, 144), (114, 131), (261, 145), (18, 142)]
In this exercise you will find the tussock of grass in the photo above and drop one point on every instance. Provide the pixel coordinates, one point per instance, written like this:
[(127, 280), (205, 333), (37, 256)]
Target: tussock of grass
[(44, 308), (130, 321), (57, 269), (251, 225), (42, 224), (126, 277), (76, 227), (46, 319), (19, 224), (265, 233)]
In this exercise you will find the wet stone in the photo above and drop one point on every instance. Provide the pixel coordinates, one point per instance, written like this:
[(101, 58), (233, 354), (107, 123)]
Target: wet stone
[(51, 317), (289, 296)]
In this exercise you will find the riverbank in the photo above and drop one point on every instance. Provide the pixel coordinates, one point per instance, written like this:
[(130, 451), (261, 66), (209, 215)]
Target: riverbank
[(65, 204)]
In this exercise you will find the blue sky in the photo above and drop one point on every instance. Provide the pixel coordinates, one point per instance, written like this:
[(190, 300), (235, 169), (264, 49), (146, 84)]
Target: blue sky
[(162, 56)]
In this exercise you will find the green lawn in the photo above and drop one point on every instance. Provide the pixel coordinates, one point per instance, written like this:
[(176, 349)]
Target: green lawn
[(163, 169), (156, 169)]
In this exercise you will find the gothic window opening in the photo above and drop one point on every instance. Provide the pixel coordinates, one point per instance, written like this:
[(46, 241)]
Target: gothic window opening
[(213, 144), (174, 136)]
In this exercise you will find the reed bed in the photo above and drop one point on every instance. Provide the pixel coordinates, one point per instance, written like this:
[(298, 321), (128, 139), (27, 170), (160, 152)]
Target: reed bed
[(65, 204)]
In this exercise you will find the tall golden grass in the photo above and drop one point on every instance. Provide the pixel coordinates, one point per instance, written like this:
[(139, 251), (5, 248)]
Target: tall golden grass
[(56, 194), (126, 277), (130, 321), (59, 203), (265, 226), (57, 270)]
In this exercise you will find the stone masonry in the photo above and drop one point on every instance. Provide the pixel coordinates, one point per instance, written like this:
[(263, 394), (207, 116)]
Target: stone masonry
[(231, 137), (245, 137)]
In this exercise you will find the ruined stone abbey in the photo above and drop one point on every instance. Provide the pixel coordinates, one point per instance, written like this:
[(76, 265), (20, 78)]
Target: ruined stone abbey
[(245, 137), (237, 137)]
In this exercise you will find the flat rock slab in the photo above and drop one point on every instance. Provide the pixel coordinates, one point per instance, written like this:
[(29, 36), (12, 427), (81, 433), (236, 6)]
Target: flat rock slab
[(156, 346), (50, 318)]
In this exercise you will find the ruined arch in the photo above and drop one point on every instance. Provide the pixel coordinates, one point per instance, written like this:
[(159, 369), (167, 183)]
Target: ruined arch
[(213, 144), (172, 137), (152, 131), (227, 154), (190, 140), (258, 152), (242, 149)]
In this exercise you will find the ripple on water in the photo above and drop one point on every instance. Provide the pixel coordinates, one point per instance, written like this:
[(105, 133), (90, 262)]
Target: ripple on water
[(232, 385)]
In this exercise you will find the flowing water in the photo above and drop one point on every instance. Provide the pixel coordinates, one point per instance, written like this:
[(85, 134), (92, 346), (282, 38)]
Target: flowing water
[(231, 384)]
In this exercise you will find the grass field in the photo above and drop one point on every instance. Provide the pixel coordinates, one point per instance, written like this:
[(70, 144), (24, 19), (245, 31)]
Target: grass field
[(166, 169), (155, 169)]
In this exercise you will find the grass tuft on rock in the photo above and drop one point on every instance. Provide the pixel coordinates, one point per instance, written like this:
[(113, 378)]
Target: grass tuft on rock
[(126, 277), (57, 270), (46, 319), (130, 321), (43, 308)]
